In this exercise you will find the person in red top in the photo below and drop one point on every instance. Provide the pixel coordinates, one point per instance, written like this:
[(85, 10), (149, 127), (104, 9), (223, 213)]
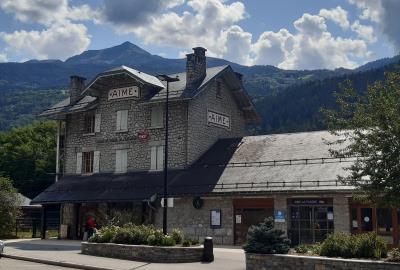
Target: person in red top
[(90, 226)]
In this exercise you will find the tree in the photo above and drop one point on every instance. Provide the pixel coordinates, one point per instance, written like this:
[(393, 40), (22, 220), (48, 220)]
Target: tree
[(9, 206), (27, 155), (264, 239), (369, 130)]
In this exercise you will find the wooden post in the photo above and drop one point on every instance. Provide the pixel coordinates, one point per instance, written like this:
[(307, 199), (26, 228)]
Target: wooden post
[(44, 222)]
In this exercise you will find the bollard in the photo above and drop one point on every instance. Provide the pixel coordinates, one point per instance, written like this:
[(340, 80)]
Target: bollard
[(208, 250)]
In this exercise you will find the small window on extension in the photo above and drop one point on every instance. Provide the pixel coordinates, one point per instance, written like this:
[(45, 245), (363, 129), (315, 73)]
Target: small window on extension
[(219, 89)]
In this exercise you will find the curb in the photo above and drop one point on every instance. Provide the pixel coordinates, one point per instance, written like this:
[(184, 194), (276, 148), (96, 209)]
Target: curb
[(56, 263)]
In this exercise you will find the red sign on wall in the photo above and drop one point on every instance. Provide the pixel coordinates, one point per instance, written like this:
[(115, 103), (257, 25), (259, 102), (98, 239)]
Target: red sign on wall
[(143, 136)]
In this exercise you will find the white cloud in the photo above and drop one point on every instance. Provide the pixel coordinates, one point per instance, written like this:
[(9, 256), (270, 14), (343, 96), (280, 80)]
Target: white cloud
[(385, 14), (273, 48), (3, 57), (371, 9), (61, 36), (46, 12), (314, 47), (337, 15), (364, 31), (237, 44), (208, 25), (59, 41)]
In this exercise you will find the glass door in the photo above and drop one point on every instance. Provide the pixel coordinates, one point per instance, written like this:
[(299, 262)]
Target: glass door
[(310, 224)]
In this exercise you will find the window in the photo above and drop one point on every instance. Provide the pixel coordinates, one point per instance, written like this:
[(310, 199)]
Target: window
[(157, 116), (384, 218), (157, 158), (121, 161), (219, 89), (89, 122), (87, 164), (122, 120)]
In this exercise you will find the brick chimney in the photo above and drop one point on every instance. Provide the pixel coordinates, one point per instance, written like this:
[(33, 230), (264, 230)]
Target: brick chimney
[(77, 84), (195, 67)]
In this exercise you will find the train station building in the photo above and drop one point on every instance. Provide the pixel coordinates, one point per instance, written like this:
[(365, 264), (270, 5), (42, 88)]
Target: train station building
[(110, 149)]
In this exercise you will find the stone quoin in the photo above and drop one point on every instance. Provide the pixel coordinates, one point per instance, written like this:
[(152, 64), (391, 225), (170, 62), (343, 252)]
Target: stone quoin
[(111, 155)]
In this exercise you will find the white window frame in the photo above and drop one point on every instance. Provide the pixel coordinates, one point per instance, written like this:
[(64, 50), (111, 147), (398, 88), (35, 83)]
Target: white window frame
[(157, 116), (122, 121), (121, 160), (157, 158)]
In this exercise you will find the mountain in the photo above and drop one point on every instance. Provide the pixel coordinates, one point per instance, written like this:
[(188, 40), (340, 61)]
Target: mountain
[(26, 88)]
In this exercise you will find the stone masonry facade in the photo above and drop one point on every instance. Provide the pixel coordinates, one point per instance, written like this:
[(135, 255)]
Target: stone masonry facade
[(189, 133)]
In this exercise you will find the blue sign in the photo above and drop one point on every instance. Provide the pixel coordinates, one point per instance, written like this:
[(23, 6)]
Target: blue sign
[(280, 215)]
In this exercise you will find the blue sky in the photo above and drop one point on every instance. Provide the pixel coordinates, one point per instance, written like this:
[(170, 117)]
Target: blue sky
[(290, 34)]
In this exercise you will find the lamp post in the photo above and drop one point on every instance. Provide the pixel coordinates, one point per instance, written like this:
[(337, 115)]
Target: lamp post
[(167, 79)]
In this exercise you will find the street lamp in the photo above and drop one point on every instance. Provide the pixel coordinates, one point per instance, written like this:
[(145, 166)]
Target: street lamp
[(167, 79)]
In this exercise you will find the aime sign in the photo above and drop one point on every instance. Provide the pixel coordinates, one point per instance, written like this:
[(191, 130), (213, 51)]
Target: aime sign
[(218, 119), (124, 92)]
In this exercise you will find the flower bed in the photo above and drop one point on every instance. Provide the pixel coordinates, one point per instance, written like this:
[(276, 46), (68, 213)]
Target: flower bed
[(142, 243), (298, 262), (158, 254)]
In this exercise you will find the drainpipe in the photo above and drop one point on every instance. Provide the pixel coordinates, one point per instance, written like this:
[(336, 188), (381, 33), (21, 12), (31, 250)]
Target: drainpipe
[(58, 150)]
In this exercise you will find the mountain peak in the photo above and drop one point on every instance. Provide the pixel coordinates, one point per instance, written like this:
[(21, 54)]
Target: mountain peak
[(123, 53)]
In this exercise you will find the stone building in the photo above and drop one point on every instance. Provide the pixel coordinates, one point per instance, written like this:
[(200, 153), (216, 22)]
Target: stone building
[(220, 181)]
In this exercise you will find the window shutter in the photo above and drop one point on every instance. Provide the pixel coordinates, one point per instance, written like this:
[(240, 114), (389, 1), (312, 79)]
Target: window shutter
[(96, 161), (97, 122), (124, 120), (79, 163), (118, 161), (118, 120), (160, 157), (153, 158), (124, 160)]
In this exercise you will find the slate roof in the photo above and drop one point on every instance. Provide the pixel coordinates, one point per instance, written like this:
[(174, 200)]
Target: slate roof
[(178, 89), (296, 162), (65, 106)]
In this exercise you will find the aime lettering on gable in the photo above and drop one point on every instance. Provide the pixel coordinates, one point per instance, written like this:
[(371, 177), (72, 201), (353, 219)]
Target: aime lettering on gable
[(124, 92)]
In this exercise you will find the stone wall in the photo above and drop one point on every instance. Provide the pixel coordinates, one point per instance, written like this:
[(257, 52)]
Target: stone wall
[(201, 135), (108, 140), (195, 223), (144, 253), (280, 203), (341, 213), (294, 262)]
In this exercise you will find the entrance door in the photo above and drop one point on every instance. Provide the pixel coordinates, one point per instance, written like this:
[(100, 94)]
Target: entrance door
[(248, 212), (310, 223), (245, 218)]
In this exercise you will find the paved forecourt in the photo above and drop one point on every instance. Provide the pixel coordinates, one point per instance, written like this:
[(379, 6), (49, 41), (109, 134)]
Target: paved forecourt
[(67, 253)]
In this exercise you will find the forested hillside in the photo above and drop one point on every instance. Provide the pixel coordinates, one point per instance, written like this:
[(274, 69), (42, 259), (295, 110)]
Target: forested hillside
[(298, 107)]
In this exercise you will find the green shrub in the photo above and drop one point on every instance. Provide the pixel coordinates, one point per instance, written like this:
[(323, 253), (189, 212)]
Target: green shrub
[(394, 255), (177, 235), (186, 243), (301, 249), (105, 235), (155, 239), (123, 236), (368, 245), (338, 245), (315, 248), (194, 242), (265, 239), (168, 241)]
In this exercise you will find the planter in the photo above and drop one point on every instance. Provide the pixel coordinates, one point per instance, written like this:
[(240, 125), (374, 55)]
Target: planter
[(295, 262), (144, 253)]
